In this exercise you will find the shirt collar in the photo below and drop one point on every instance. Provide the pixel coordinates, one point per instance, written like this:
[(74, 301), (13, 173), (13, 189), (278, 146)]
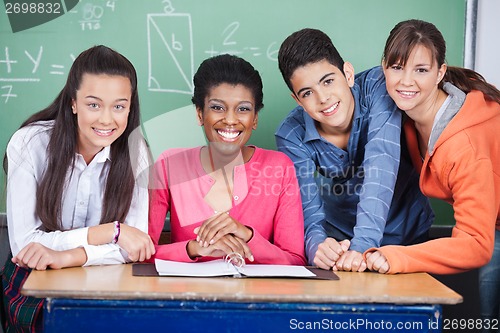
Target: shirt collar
[(102, 156), (311, 130), (310, 124)]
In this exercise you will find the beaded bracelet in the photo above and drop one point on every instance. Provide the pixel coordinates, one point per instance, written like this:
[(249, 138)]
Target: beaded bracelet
[(116, 232)]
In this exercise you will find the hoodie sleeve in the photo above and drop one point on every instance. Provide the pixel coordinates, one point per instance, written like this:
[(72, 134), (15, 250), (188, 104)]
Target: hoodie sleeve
[(470, 246)]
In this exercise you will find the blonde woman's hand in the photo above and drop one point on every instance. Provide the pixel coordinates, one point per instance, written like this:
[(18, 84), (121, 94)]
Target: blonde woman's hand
[(377, 262)]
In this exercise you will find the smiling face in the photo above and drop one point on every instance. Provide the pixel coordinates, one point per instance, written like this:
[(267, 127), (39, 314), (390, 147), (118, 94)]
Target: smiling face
[(102, 106), (325, 94), (228, 116), (414, 86)]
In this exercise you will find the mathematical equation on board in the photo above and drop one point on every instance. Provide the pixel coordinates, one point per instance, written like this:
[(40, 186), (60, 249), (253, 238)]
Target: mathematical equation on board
[(229, 35), (170, 50), (229, 40), (29, 61), (92, 14)]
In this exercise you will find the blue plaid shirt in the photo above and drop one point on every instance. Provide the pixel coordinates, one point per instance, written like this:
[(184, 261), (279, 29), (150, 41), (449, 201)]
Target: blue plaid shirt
[(368, 193)]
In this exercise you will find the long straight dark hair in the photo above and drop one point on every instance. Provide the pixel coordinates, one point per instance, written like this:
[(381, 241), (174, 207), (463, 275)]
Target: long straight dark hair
[(406, 35), (62, 145)]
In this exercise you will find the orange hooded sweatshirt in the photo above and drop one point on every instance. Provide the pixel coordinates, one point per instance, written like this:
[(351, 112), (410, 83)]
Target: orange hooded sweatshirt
[(462, 167)]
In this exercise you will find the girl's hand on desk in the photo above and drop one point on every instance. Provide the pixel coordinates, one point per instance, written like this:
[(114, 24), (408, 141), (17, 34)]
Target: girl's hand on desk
[(377, 262), (136, 243), (40, 257), (216, 227), (226, 245), (329, 252)]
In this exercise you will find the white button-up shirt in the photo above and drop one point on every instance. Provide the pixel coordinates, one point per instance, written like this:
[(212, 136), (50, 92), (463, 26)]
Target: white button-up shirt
[(81, 203)]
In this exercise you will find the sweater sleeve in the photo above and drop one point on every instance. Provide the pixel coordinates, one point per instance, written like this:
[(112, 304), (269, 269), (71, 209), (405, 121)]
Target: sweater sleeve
[(160, 204), (159, 207), (312, 204), (472, 240), (287, 246), (381, 161)]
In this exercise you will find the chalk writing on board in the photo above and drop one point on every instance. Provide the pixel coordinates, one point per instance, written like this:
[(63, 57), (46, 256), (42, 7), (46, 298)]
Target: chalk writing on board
[(170, 52), (93, 13), (29, 64), (170, 49), (230, 45), (7, 94)]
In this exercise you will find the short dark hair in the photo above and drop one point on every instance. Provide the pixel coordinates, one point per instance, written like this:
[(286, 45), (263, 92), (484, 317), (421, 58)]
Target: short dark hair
[(229, 69), (304, 47)]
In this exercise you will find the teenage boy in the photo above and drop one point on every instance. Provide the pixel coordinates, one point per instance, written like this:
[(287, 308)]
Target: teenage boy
[(359, 189)]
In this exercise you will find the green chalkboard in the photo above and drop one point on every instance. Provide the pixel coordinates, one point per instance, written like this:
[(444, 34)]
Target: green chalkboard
[(166, 40)]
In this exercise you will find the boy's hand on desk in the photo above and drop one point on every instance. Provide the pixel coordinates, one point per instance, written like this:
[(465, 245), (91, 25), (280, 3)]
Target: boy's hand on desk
[(218, 226), (329, 252), (377, 262), (351, 261), (136, 243)]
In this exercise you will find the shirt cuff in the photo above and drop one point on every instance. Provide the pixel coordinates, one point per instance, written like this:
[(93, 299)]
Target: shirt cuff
[(359, 245), (312, 242), (76, 238), (108, 254)]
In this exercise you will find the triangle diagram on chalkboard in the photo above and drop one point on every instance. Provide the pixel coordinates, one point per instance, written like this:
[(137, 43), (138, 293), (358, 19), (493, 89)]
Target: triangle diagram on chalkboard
[(170, 49)]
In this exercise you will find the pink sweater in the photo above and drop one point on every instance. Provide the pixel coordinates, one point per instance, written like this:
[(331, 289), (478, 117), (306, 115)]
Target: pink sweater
[(266, 198)]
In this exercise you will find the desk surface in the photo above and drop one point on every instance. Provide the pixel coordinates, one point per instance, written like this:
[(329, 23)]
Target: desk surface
[(117, 282)]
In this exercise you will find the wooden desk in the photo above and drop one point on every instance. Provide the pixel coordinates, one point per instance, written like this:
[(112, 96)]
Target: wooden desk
[(110, 299)]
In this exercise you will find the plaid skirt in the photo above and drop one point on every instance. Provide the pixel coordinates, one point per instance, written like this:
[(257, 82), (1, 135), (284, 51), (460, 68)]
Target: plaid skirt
[(24, 313)]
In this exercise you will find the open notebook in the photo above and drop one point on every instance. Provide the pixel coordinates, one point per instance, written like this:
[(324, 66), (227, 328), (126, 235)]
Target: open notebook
[(223, 267)]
